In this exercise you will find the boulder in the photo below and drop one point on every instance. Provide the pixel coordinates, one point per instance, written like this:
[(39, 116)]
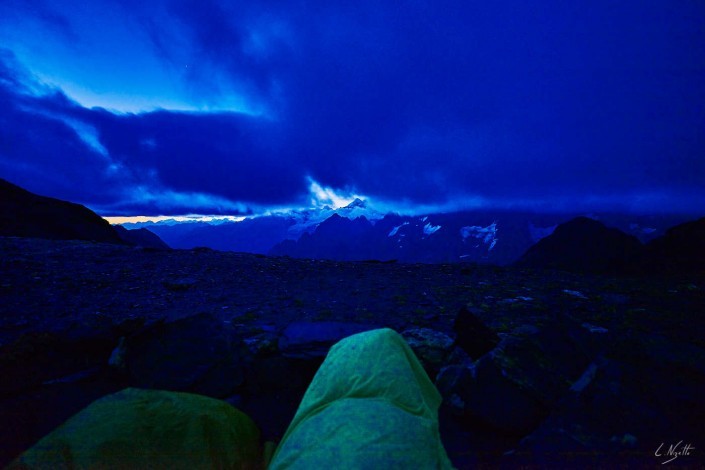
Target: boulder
[(472, 334), (482, 394), (513, 387), (645, 391), (198, 354), (59, 354)]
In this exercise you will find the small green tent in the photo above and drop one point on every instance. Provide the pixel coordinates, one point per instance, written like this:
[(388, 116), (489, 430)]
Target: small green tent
[(152, 429), (371, 405)]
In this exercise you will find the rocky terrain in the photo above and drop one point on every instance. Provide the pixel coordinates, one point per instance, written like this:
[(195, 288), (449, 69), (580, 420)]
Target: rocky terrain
[(536, 367)]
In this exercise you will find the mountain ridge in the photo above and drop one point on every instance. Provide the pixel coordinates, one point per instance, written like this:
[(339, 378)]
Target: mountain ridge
[(29, 215)]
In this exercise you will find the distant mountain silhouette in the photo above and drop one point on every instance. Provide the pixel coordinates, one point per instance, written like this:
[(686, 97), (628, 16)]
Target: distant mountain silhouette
[(584, 245), (256, 235), (437, 238), (141, 237), (681, 249), (335, 238), (497, 237), (24, 214)]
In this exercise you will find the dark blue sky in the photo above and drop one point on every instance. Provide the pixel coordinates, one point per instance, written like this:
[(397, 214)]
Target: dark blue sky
[(206, 106)]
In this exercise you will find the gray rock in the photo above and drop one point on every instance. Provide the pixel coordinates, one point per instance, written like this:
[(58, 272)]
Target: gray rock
[(431, 347)]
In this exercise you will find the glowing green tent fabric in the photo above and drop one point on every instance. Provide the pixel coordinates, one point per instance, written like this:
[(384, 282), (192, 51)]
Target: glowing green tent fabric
[(150, 429), (371, 405)]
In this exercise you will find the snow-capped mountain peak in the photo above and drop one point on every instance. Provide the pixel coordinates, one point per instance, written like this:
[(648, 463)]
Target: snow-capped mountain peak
[(488, 234), (308, 220), (357, 203)]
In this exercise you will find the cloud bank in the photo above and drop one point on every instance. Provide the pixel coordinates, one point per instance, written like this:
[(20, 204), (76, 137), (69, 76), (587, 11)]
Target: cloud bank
[(547, 105)]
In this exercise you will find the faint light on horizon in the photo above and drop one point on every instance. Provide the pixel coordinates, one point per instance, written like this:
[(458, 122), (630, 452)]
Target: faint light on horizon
[(135, 219)]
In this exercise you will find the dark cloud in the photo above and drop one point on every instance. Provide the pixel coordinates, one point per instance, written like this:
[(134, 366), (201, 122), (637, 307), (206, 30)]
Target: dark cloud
[(428, 103), (154, 161), (431, 103)]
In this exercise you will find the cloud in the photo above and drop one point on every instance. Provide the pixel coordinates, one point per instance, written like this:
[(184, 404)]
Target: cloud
[(156, 162), (322, 196), (435, 104), (142, 199), (452, 106)]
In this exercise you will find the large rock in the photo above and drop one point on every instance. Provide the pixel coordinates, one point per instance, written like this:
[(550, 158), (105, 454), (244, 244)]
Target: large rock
[(481, 394), (513, 387), (307, 339), (65, 352), (472, 334), (583, 245), (643, 392), (199, 354)]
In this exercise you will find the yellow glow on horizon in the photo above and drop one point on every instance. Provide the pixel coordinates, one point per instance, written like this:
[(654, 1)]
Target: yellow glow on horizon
[(133, 219)]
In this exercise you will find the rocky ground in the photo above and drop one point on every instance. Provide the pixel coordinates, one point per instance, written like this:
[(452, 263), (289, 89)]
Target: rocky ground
[(536, 367)]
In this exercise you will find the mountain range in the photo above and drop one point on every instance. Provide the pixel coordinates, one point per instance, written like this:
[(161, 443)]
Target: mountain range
[(600, 243), (360, 232)]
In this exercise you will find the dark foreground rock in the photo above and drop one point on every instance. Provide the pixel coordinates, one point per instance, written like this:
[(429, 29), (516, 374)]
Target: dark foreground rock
[(472, 334), (513, 387), (198, 354), (641, 395)]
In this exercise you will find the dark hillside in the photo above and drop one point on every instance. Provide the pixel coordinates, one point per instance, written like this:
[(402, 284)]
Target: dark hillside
[(140, 237), (24, 214), (582, 245), (681, 249)]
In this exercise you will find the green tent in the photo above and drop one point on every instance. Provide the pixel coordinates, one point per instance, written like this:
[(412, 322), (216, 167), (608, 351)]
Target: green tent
[(150, 429), (371, 405)]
